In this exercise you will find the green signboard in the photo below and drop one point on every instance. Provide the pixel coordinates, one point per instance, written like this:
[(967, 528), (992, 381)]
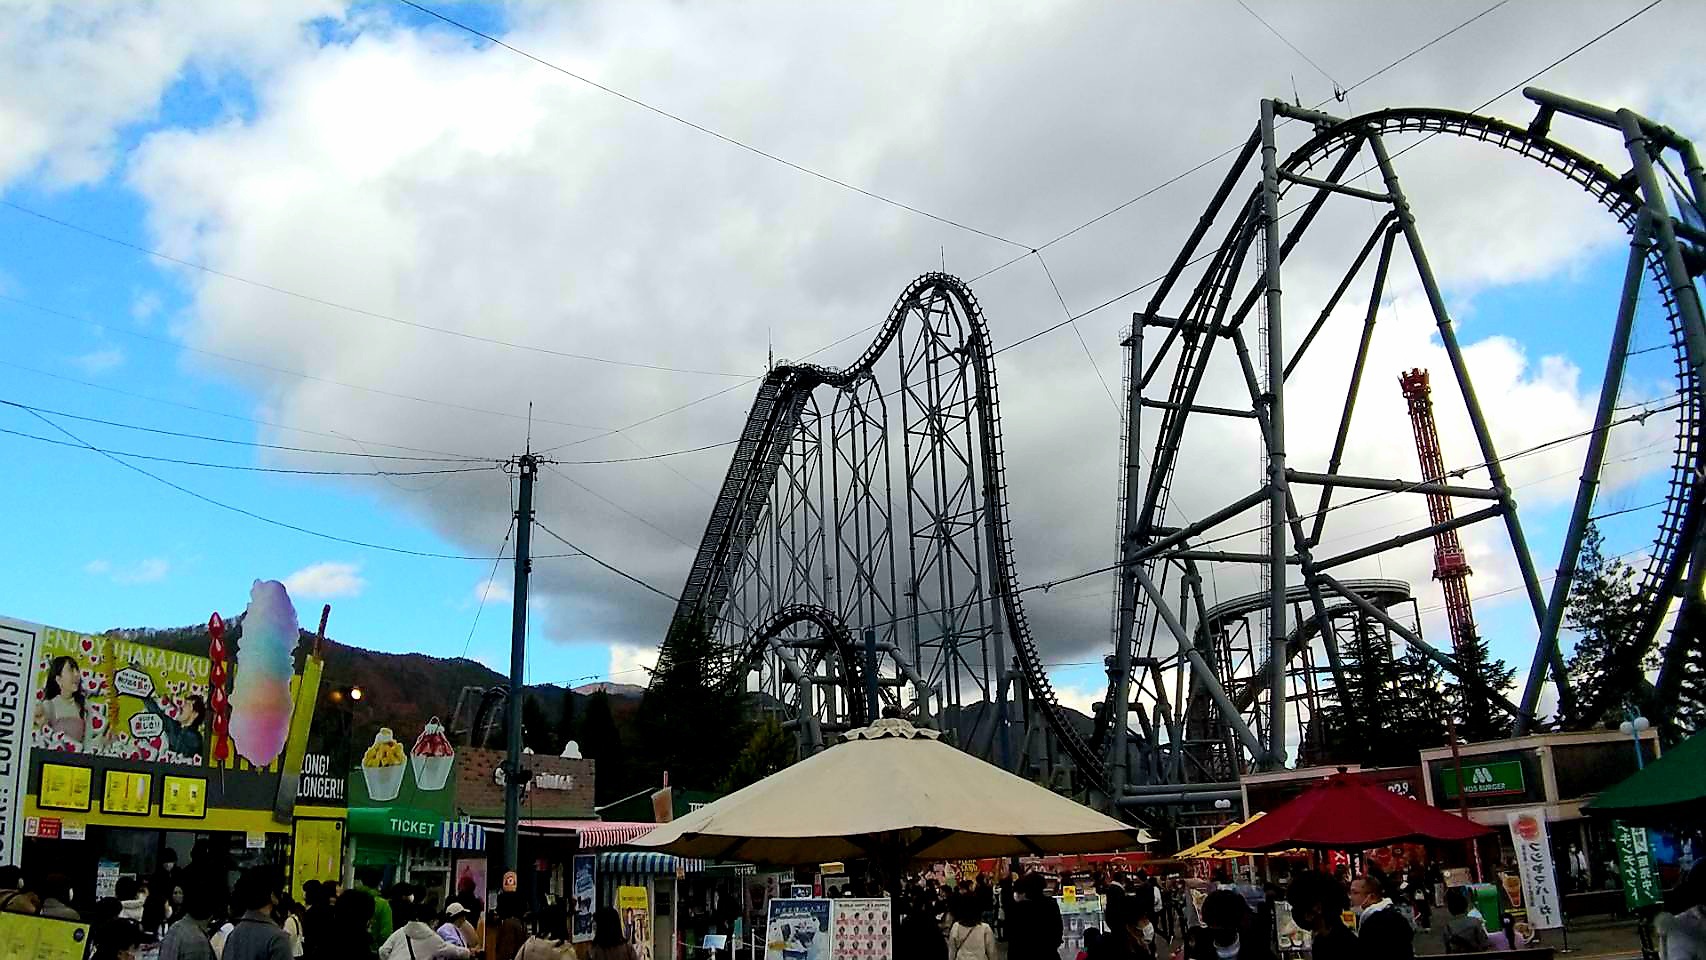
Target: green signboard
[(1496, 779), (1641, 886), (395, 822)]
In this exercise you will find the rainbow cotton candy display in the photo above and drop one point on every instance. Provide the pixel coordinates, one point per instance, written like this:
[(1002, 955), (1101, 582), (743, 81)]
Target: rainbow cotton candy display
[(260, 704)]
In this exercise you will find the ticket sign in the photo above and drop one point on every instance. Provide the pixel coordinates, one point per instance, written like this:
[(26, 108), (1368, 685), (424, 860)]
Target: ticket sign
[(63, 787), (126, 792), (183, 797)]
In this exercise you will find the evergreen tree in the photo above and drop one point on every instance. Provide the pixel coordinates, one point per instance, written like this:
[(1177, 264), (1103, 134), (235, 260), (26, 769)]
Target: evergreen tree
[(768, 750), (1470, 697), (535, 727), (1392, 706), (566, 722), (691, 721), (600, 741), (1608, 666)]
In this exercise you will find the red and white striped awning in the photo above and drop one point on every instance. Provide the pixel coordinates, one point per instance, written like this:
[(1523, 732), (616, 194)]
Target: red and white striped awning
[(592, 833)]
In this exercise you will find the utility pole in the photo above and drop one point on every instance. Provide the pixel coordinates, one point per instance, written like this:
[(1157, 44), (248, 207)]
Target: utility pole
[(514, 777)]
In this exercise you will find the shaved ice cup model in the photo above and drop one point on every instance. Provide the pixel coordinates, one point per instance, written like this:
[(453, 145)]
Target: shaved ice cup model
[(382, 767), (432, 756)]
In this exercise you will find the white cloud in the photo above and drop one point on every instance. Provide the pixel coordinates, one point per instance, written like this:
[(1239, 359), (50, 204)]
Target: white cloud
[(629, 663), (97, 362), (150, 570), (145, 306), (493, 591), (326, 580), (97, 568)]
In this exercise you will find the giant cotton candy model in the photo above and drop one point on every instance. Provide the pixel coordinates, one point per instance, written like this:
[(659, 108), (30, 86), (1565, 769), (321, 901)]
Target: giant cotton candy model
[(260, 704)]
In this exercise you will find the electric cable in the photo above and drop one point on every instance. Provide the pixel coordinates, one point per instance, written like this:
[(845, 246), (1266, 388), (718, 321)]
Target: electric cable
[(485, 593), (359, 311), (613, 504), (580, 551), (1079, 333), (232, 508), (1337, 87), (706, 130), (316, 378)]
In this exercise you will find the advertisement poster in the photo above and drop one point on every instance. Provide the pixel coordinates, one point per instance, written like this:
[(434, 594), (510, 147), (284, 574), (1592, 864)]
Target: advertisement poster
[(1641, 886), (471, 879), (584, 890), (798, 929), (861, 929), (17, 663), (1534, 866), (635, 909), (109, 696), (43, 938)]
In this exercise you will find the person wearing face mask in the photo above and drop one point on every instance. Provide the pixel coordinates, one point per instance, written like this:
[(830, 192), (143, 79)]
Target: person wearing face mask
[(1381, 929), (1227, 933), (119, 939)]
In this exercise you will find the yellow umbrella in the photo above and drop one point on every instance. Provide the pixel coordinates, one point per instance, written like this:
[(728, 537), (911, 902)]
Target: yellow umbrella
[(1206, 851)]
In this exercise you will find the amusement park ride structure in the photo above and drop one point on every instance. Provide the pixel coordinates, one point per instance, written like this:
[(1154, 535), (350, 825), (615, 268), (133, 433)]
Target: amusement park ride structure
[(858, 559)]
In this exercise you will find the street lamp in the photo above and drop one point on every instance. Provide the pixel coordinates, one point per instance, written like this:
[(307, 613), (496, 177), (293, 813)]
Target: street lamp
[(1633, 727)]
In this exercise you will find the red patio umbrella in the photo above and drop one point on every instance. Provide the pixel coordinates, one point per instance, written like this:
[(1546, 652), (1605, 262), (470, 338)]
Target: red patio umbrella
[(1344, 812)]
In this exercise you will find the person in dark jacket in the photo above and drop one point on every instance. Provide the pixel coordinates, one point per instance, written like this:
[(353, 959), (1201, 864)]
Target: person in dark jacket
[(918, 935), (1317, 904), (183, 734), (1034, 931), (1227, 933), (1463, 933), (1381, 929)]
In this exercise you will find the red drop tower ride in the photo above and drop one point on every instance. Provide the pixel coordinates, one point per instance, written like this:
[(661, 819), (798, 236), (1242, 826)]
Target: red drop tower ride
[(1451, 568)]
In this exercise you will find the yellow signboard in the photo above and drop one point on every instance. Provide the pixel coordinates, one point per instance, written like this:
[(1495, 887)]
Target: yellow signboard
[(1069, 893), (630, 898), (183, 797), (64, 788), (42, 938), (125, 791)]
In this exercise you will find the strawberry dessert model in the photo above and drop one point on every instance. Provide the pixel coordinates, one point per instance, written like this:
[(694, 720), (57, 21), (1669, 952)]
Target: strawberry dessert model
[(432, 756), (382, 767)]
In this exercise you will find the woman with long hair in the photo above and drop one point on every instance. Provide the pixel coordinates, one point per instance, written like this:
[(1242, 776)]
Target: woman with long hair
[(608, 943), (551, 940), (969, 938), (63, 708)]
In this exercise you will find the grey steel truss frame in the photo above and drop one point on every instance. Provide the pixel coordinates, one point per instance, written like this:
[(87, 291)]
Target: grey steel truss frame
[(1212, 711)]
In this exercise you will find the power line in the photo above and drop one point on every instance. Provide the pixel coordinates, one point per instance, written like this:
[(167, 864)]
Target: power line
[(168, 342), (487, 591), (250, 513), (239, 417), (617, 506), (1079, 333), (240, 443), (359, 311), (731, 141), (1294, 47), (245, 467), (619, 572)]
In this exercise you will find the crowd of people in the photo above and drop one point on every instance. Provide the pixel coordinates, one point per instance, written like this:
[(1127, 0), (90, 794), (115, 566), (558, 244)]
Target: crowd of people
[(195, 913)]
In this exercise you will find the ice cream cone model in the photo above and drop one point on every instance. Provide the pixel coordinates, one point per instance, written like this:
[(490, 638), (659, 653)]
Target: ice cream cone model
[(432, 756), (382, 767)]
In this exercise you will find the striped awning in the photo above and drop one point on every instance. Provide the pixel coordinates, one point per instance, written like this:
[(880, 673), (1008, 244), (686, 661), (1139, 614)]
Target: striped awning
[(461, 835), (600, 833), (646, 863)]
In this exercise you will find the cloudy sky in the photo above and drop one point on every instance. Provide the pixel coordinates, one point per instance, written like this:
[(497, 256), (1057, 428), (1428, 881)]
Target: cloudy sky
[(376, 234)]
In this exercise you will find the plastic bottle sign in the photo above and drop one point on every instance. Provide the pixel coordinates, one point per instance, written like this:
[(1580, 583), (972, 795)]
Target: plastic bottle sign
[(509, 881), (133, 682)]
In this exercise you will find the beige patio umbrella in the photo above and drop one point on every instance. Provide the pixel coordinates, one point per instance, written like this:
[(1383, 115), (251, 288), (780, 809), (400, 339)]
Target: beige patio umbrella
[(894, 794)]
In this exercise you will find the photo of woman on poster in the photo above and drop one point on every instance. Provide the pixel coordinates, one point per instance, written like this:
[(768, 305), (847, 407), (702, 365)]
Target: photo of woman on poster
[(63, 708)]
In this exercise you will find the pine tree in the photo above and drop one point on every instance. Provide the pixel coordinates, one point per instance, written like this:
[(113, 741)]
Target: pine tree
[(602, 742), (691, 722), (1470, 697), (769, 749), (1608, 666), (535, 727), (566, 722), (1392, 705)]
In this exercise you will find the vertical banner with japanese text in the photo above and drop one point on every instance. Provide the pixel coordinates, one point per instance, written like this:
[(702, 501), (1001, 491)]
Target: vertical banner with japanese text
[(17, 663), (1534, 866), (1641, 886)]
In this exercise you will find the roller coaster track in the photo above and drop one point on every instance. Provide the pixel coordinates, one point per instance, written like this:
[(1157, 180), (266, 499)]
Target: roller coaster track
[(1210, 300), (772, 424), (834, 629)]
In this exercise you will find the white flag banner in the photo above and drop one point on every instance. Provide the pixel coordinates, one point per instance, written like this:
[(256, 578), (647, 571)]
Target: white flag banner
[(1534, 866)]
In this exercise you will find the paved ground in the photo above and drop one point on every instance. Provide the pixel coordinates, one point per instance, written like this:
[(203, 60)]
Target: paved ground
[(1590, 938)]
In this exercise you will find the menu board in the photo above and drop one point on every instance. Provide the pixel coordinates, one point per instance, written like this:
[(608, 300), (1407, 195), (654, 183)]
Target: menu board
[(63, 787), (184, 797), (42, 938), (861, 929), (126, 792)]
